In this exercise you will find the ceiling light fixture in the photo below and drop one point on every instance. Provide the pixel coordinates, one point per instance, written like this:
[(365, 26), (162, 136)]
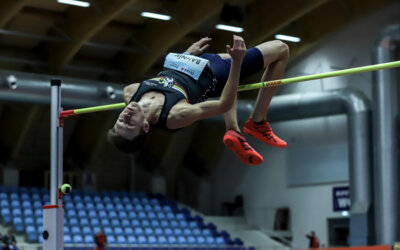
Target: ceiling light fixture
[(288, 38), (75, 3), (156, 16), (229, 28)]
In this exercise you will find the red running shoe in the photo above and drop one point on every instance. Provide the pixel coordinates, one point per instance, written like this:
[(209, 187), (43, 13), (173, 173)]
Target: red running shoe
[(238, 145), (264, 133)]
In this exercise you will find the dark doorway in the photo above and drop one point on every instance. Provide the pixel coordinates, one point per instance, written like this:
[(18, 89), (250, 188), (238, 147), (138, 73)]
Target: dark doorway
[(338, 229)]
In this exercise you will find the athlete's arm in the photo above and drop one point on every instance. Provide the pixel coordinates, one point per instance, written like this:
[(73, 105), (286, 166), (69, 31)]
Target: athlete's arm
[(129, 91), (187, 114)]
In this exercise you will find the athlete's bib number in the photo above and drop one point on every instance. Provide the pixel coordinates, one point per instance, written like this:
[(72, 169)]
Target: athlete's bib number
[(193, 66)]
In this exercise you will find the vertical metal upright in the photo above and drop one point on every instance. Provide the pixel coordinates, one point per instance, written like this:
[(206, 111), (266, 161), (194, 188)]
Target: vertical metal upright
[(53, 214)]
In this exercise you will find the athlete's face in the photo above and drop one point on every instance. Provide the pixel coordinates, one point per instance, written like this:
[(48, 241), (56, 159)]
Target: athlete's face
[(131, 122)]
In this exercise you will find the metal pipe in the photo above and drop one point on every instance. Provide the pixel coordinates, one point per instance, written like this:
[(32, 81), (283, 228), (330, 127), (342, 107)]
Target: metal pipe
[(385, 96), (35, 88)]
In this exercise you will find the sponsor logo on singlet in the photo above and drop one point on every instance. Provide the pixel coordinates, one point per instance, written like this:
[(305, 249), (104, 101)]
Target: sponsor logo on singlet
[(192, 66), (167, 82)]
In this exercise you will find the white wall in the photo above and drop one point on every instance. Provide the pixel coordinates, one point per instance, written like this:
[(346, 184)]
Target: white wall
[(265, 186)]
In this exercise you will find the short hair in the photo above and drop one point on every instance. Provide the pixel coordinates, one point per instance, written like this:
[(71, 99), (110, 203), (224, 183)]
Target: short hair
[(125, 145)]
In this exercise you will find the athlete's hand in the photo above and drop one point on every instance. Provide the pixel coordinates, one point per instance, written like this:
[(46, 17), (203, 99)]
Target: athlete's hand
[(199, 47), (239, 48)]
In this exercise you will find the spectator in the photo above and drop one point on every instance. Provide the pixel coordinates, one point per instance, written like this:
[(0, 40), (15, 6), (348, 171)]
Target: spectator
[(100, 240), (13, 246), (8, 240), (314, 241)]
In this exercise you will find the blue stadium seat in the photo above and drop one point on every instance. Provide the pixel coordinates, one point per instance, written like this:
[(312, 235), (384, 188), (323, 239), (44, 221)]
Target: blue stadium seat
[(29, 221), (180, 216), (182, 240), (97, 199), (110, 207), (92, 214), (148, 231), (168, 231), (87, 230), (122, 214), (118, 230), (82, 213), (36, 197), (67, 206), (135, 223), (125, 222), (170, 215), (126, 200), (162, 240), (115, 222), (129, 207), (38, 212), (67, 239), (100, 207), (106, 199), (94, 222), (71, 213), (87, 199), (193, 224), (117, 200), (30, 229), (16, 211), (206, 232), (164, 223), (121, 239), (90, 206), (141, 239), (142, 215), (80, 206), (210, 240), (139, 207), (112, 214), (128, 231), (26, 204), (151, 239), (89, 239), (18, 223), (132, 215), (172, 240), (96, 229), (14, 196), (111, 239), (66, 230), (73, 222), (32, 237), (177, 231), (139, 231), (196, 232), (75, 230), (4, 204), (102, 214), (238, 242), (154, 223), (104, 222), (158, 231), (157, 208), (183, 224), (151, 215), (3, 196), (174, 223), (191, 240), (131, 239), (167, 209), (219, 241), (39, 221), (5, 211), (28, 212), (135, 200), (187, 231), (200, 240), (108, 230), (77, 239), (145, 223)]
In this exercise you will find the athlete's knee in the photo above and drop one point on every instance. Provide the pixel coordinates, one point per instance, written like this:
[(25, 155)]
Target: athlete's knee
[(282, 48)]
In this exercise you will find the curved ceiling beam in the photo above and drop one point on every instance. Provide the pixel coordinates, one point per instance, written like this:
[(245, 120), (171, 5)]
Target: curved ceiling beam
[(83, 24), (160, 36), (9, 8), (330, 18)]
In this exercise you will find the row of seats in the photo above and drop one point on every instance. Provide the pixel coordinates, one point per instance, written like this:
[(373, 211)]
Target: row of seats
[(126, 218)]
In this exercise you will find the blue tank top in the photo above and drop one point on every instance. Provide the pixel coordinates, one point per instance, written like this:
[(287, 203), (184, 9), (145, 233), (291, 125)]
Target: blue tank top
[(176, 86)]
